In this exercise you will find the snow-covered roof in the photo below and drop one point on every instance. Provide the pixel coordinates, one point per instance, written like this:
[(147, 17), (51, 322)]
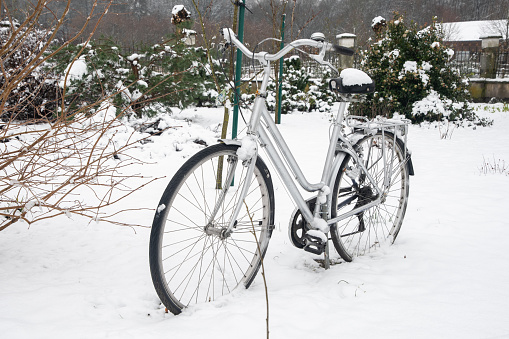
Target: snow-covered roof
[(474, 30)]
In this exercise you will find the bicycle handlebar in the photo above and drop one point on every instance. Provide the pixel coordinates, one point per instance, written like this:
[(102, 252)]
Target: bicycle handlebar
[(230, 37)]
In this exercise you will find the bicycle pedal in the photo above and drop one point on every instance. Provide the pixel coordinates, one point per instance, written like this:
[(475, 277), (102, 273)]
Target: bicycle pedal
[(314, 244)]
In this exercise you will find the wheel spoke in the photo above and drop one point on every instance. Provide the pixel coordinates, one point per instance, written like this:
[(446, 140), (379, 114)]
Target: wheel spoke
[(382, 221), (192, 259)]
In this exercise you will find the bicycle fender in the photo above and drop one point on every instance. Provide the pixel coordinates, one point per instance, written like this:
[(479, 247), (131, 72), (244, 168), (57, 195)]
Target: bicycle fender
[(338, 160), (409, 163), (230, 142)]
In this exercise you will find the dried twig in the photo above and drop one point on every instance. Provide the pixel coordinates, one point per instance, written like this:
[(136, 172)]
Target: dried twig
[(263, 270)]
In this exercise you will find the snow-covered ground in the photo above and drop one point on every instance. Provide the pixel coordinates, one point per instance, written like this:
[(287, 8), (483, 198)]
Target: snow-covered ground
[(447, 276)]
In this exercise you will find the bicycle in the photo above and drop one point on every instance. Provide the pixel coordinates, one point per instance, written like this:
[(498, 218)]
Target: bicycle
[(214, 221)]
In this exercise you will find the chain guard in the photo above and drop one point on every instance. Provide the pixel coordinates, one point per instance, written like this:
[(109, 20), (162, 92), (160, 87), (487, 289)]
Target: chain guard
[(298, 225)]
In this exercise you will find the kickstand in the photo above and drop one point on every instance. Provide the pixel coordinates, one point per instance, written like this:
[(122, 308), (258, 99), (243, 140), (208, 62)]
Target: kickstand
[(326, 258)]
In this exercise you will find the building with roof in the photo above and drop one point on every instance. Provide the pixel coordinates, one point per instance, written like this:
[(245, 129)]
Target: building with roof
[(468, 35)]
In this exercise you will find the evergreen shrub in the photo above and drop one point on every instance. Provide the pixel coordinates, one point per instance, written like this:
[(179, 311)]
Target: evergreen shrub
[(299, 91), (164, 75), (409, 65)]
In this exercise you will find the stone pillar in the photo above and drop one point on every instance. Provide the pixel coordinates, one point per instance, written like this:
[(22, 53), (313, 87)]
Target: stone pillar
[(346, 40), (490, 46)]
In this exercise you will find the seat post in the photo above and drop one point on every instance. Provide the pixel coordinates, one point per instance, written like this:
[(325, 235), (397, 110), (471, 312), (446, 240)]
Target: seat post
[(341, 112)]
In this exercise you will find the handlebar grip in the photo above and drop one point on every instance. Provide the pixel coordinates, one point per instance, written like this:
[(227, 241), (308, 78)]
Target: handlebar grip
[(228, 34), (343, 50)]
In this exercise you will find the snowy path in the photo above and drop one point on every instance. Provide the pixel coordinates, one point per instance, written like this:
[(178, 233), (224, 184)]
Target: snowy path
[(446, 276)]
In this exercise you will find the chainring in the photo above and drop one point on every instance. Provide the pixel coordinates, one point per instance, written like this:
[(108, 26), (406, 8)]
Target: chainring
[(298, 225)]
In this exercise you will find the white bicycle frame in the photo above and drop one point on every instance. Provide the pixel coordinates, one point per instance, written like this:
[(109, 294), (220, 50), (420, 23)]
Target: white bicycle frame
[(261, 130)]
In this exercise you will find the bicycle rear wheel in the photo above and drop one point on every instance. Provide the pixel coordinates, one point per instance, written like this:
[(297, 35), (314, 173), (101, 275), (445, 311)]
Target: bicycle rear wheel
[(192, 260), (366, 231)]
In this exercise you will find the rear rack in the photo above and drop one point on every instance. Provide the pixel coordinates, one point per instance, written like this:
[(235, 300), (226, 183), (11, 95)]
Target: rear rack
[(355, 121), (396, 126)]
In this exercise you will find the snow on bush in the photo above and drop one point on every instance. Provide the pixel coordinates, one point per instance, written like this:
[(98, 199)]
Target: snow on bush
[(74, 71), (28, 91), (431, 104), (169, 74), (410, 67)]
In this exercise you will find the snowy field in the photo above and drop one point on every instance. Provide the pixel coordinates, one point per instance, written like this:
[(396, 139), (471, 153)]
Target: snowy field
[(447, 276)]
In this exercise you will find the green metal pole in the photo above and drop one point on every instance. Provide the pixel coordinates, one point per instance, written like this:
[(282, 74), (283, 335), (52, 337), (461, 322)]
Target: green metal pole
[(280, 92), (238, 71)]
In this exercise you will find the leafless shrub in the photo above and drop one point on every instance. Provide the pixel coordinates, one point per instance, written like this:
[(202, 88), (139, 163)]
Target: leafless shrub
[(494, 166), (446, 129), (70, 162), (65, 167)]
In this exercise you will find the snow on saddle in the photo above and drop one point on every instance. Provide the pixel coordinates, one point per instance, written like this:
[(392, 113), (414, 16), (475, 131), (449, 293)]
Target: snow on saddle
[(352, 81)]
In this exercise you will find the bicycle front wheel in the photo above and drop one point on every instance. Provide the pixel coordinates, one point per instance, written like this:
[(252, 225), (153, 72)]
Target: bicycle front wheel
[(192, 257), (366, 231)]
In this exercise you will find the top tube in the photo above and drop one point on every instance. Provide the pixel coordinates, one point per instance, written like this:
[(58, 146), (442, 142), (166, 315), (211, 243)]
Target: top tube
[(230, 37)]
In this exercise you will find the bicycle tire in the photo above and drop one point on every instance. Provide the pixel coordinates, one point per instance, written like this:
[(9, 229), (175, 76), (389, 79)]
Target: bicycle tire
[(190, 266), (364, 232)]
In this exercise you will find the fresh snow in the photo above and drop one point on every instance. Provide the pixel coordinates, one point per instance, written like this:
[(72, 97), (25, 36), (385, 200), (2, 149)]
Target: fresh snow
[(320, 225), (445, 277), (177, 8), (322, 195), (74, 71), (248, 148), (135, 56), (345, 35), (354, 77), (317, 234), (377, 20), (431, 104), (413, 67)]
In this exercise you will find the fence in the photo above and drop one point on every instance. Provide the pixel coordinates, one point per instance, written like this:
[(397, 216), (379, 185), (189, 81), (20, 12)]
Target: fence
[(468, 63)]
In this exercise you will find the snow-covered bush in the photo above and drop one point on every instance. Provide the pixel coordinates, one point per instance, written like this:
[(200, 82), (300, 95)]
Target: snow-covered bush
[(409, 66), (25, 95), (299, 91), (169, 74)]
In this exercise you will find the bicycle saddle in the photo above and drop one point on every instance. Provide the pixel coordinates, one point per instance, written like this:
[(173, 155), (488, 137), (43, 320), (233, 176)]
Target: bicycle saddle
[(352, 81)]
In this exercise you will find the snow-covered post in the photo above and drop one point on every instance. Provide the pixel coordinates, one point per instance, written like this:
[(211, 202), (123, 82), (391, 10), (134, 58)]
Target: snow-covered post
[(346, 40), (378, 24), (181, 18), (490, 46)]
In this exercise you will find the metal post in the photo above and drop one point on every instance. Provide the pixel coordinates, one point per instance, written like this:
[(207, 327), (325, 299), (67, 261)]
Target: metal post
[(238, 70), (280, 92)]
